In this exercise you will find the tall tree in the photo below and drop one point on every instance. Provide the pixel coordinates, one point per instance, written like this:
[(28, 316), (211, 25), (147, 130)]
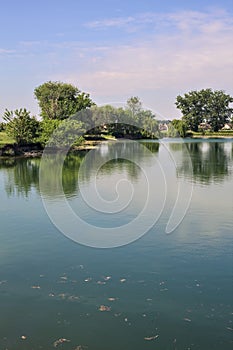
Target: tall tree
[(21, 126), (205, 106), (59, 100), (219, 110), (134, 105)]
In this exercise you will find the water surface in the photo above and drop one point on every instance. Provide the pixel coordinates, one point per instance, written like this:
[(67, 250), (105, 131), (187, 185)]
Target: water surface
[(176, 287)]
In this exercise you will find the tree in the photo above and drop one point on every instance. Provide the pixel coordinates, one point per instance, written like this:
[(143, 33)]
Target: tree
[(219, 110), (149, 124), (134, 105), (205, 106), (21, 126), (61, 133), (59, 100), (177, 128), (47, 127)]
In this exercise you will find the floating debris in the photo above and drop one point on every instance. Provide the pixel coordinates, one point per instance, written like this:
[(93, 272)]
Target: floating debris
[(63, 278), (23, 337), (187, 319), (111, 299), (73, 297), (104, 308), (153, 337), (62, 295), (101, 282), (2, 282), (107, 278), (81, 347), (229, 328), (88, 279), (51, 295), (60, 341), (35, 287), (122, 280)]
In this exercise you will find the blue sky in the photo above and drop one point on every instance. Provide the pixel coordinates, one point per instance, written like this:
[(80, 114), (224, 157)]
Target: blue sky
[(115, 49)]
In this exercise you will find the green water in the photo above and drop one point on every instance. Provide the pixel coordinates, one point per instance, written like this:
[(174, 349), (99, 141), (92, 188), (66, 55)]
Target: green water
[(177, 287)]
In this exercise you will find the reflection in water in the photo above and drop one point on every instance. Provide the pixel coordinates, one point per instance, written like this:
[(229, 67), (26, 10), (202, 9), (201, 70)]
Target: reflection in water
[(211, 161), (122, 156), (177, 288), (21, 175)]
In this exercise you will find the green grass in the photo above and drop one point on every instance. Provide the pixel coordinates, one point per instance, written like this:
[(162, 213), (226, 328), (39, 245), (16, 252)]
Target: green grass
[(220, 133), (5, 139), (108, 137)]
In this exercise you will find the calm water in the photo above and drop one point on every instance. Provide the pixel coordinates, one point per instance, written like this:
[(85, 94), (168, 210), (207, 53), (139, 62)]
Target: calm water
[(174, 289)]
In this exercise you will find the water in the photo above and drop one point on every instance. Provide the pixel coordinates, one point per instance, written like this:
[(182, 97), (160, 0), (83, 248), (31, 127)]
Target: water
[(177, 287)]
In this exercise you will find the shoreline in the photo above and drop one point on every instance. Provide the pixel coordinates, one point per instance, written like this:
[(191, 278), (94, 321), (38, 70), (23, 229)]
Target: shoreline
[(10, 150)]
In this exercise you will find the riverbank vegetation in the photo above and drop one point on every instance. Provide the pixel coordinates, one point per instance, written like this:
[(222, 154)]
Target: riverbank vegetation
[(204, 111), (71, 117)]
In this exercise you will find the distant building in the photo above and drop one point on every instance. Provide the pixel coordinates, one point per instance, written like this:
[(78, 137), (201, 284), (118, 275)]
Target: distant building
[(163, 125), (227, 126), (204, 126)]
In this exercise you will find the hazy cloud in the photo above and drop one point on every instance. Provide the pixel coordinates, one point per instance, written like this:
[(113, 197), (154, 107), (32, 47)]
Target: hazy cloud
[(175, 53), (197, 54)]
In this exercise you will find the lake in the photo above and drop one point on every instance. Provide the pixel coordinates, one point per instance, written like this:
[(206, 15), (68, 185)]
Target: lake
[(128, 246)]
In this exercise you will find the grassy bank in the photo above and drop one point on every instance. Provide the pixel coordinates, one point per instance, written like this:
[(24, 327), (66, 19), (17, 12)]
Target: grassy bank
[(209, 134)]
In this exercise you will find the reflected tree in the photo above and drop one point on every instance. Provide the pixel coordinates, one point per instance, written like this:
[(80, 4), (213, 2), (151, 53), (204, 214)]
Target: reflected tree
[(22, 176), (210, 162)]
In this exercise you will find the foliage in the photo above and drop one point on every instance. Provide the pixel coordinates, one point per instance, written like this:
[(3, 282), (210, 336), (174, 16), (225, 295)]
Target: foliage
[(59, 100), (56, 133), (21, 126), (207, 106), (2, 126), (47, 127), (134, 105), (149, 124), (177, 128), (131, 122), (5, 139)]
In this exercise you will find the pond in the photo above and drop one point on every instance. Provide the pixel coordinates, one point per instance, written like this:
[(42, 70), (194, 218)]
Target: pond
[(128, 247)]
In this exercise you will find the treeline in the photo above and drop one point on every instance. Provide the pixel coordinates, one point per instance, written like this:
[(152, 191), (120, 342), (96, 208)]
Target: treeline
[(60, 102), (202, 110)]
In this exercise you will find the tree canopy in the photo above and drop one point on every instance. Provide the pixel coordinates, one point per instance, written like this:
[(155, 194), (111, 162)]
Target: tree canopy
[(21, 126), (206, 105), (59, 100)]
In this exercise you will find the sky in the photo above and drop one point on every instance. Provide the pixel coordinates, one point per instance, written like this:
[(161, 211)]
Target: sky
[(113, 50)]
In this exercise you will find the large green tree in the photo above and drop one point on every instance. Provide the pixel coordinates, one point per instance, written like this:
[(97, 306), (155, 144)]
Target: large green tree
[(219, 110), (59, 100), (205, 105), (21, 126)]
